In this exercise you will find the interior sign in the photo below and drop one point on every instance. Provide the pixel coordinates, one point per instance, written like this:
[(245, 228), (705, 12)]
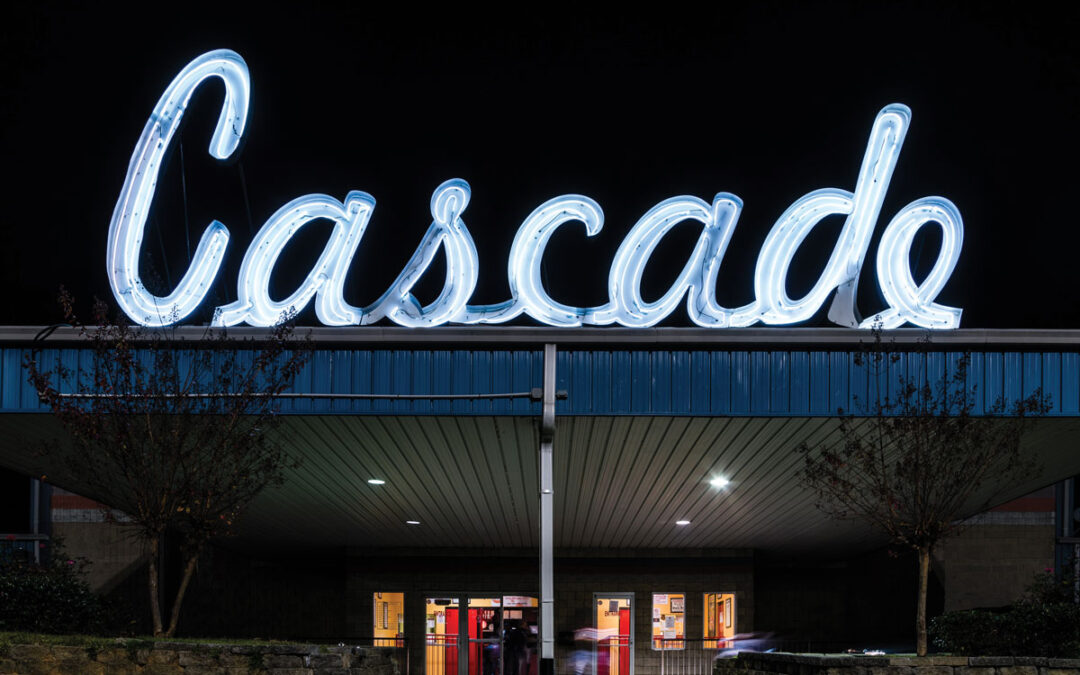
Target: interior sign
[(908, 301)]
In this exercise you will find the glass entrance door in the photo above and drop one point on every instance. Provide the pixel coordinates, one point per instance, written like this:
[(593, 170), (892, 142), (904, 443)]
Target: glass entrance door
[(719, 620), (614, 634), (441, 636), (497, 636), (520, 630), (485, 636)]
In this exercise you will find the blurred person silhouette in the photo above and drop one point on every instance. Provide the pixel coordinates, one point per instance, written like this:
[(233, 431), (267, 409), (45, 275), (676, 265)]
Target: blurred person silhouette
[(517, 651)]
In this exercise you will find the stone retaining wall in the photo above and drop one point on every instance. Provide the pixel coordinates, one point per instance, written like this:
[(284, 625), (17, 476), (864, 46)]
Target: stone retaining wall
[(810, 664), (176, 658)]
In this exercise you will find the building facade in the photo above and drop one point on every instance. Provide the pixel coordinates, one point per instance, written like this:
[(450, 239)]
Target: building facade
[(679, 523)]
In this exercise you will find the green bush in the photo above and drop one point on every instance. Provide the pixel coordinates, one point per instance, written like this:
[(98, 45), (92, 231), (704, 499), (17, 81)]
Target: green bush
[(1045, 622), (48, 599), (974, 631)]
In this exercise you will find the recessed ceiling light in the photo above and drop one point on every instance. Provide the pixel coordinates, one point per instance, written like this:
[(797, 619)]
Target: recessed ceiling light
[(412, 522), (682, 522), (719, 482), (376, 481)]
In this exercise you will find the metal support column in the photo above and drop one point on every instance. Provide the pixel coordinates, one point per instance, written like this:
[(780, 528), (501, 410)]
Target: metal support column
[(464, 647), (35, 516), (1066, 517), (547, 585)]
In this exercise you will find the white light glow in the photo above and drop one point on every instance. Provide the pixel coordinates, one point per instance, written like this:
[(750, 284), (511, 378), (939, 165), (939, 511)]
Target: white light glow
[(132, 208), (861, 208), (719, 482), (682, 523), (696, 281), (254, 304), (447, 230), (527, 251), (412, 522), (909, 302), (376, 481)]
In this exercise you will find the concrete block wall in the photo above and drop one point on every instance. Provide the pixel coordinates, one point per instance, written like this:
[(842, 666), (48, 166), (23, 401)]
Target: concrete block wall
[(87, 530), (855, 603), (693, 573), (993, 560), (578, 576)]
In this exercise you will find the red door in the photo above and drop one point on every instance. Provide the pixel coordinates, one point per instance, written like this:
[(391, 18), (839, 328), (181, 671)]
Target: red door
[(624, 641), (450, 658), (475, 647), (450, 662)]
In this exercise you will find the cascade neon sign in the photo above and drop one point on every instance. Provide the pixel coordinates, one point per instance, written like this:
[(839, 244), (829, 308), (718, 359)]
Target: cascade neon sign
[(909, 301)]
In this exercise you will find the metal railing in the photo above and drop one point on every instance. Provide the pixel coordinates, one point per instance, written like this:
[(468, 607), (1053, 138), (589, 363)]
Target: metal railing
[(21, 548), (688, 656), (614, 655), (397, 642), (440, 654), (608, 656)]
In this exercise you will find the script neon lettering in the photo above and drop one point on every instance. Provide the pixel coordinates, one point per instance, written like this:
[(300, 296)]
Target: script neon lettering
[(526, 253), (909, 301), (448, 231), (326, 278), (697, 280), (129, 217), (861, 208)]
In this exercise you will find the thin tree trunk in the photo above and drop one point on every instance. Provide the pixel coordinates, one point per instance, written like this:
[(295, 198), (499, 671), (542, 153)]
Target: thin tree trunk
[(174, 618), (155, 603), (920, 611)]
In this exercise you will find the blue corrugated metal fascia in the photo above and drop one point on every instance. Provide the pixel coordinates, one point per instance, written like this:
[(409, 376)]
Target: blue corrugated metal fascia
[(349, 375), (728, 382), (782, 383)]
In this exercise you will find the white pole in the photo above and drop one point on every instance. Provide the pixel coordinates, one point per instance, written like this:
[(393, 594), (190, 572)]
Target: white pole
[(547, 591)]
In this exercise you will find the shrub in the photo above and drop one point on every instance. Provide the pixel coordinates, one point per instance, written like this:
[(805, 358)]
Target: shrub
[(975, 631), (1046, 630), (1045, 622), (48, 599)]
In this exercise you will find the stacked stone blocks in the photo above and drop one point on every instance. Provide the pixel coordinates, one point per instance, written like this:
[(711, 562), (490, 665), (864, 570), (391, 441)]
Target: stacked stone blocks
[(810, 664), (177, 658)]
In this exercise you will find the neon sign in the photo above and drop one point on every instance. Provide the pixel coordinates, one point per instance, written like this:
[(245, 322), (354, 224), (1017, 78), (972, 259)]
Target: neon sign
[(909, 301)]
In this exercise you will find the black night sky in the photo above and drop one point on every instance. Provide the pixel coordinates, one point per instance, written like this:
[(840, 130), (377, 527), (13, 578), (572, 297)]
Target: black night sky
[(766, 100)]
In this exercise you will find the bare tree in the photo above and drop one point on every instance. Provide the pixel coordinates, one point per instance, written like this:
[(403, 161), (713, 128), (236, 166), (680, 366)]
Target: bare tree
[(175, 434), (914, 464)]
